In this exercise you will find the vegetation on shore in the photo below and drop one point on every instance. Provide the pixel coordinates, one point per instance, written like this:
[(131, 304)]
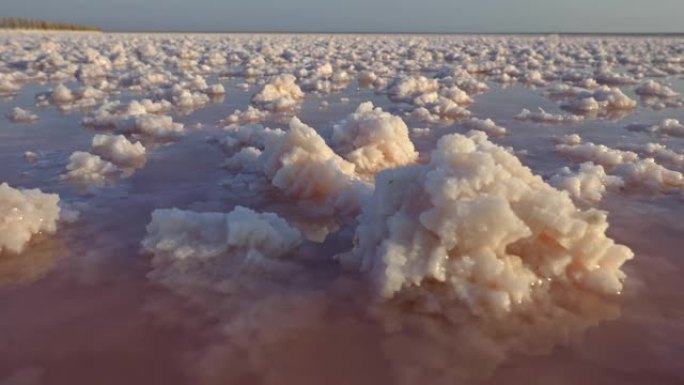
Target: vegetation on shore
[(20, 23)]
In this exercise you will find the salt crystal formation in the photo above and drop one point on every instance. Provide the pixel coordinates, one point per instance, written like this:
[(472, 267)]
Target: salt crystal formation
[(480, 223)]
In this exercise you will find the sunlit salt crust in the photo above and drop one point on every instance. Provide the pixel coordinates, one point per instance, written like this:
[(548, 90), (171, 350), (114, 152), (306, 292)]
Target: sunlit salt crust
[(23, 214)]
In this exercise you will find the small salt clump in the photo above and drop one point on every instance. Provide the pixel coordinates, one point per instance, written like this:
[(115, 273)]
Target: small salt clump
[(19, 115), (23, 214), (373, 140)]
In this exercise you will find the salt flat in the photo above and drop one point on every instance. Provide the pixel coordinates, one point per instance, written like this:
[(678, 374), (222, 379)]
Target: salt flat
[(307, 209)]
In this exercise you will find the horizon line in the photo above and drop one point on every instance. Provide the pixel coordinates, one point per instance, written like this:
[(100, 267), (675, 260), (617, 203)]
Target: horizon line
[(284, 32)]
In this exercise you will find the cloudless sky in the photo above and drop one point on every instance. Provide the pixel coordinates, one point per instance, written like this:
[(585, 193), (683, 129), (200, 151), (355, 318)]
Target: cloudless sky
[(360, 15)]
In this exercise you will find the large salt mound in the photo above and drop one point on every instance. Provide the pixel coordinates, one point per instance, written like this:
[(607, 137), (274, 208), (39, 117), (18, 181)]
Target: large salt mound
[(373, 140), (475, 226), (301, 164), (280, 94), (23, 214), (176, 235)]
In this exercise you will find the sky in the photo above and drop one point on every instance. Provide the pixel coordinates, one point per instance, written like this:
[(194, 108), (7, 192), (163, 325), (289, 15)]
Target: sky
[(440, 16)]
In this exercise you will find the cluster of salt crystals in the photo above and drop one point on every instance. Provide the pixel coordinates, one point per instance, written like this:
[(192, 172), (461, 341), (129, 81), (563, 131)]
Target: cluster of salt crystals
[(67, 99), (323, 78), (113, 114), (8, 85), (250, 260), (280, 94), (477, 221), (607, 77), (602, 100), (179, 69), (659, 152), (596, 153), (636, 173), (562, 90), (175, 74), (666, 127), (373, 140), (299, 161), (542, 116), (20, 115), (407, 89), (435, 100), (191, 235), (118, 150), (185, 243), (161, 127), (486, 125), (304, 167), (444, 111), (249, 116), (113, 155), (652, 88), (23, 214), (89, 169), (588, 183)]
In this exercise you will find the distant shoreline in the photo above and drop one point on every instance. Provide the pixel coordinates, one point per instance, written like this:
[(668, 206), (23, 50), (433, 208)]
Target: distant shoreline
[(23, 24)]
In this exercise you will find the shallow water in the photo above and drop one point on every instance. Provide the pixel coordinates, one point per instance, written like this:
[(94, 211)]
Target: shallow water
[(78, 307)]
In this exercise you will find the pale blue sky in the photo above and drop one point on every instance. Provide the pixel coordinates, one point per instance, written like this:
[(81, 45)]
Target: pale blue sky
[(360, 15)]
